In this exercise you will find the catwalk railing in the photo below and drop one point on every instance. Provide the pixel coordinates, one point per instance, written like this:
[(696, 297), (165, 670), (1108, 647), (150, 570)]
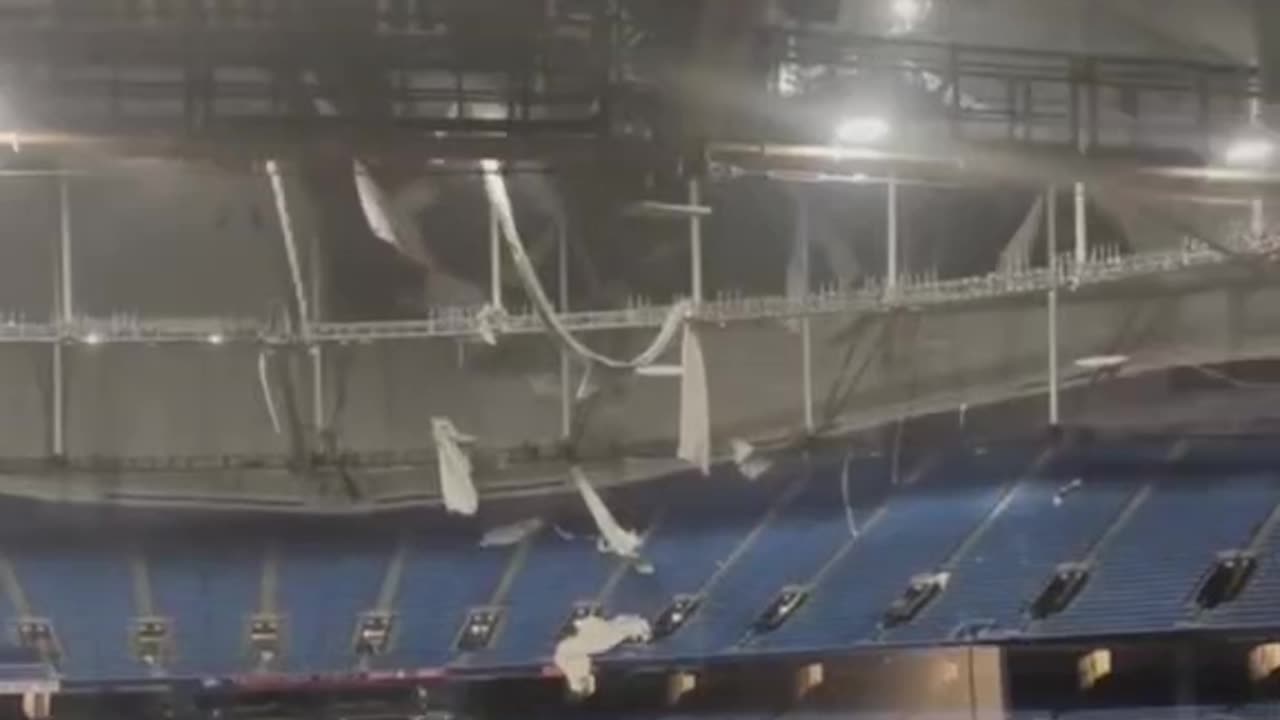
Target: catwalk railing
[(915, 292)]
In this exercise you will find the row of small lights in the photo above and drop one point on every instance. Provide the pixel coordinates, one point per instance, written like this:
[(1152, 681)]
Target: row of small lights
[(97, 338)]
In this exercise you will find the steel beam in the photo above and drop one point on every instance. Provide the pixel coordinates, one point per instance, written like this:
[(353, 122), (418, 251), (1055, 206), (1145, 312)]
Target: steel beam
[(1051, 254)]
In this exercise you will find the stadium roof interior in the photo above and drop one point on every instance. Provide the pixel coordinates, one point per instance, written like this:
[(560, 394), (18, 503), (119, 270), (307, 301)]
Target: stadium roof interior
[(639, 359)]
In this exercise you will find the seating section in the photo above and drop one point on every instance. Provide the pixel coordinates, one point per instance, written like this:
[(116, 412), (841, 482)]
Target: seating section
[(694, 541), (557, 572), (996, 530), (1044, 523), (86, 591), (1146, 577), (443, 575), (323, 587), (208, 586), (789, 550), (917, 532)]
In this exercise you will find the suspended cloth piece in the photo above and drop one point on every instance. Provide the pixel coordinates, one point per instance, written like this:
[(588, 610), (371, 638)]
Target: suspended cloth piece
[(386, 223), (456, 486), (1017, 254), (513, 534), (749, 464), (613, 537), (592, 636), (488, 321), (500, 201), (695, 412), (264, 384), (849, 517)]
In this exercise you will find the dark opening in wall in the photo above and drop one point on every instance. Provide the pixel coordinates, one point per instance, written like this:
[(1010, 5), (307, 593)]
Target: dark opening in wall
[(1064, 585)]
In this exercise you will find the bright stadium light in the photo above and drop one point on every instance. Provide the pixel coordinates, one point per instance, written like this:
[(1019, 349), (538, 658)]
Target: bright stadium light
[(1251, 149), (863, 130), (1101, 362), (93, 338), (908, 12), (216, 338)]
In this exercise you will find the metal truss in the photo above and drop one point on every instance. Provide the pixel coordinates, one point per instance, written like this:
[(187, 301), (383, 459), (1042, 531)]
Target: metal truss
[(1026, 96)]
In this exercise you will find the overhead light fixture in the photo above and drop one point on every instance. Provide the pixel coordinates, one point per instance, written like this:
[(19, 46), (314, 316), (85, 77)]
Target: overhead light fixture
[(1101, 362), (908, 12), (216, 339), (660, 371), (862, 130), (1251, 149), (93, 338)]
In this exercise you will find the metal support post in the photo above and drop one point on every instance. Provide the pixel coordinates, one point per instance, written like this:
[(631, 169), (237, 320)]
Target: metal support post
[(1257, 217), (1082, 227), (495, 259), (316, 270), (806, 323), (891, 237), (64, 310), (1051, 251), (695, 242), (566, 370)]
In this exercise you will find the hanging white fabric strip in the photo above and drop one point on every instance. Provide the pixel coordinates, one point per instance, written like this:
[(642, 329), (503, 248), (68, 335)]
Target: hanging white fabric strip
[(456, 485), (1017, 254), (592, 636), (376, 206), (614, 538), (264, 384), (695, 413), (500, 201)]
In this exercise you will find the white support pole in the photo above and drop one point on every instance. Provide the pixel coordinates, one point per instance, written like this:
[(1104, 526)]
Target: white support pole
[(318, 411), (695, 242), (566, 370), (1051, 230), (65, 311), (1082, 227), (302, 302), (285, 215), (803, 240), (891, 237), (495, 259)]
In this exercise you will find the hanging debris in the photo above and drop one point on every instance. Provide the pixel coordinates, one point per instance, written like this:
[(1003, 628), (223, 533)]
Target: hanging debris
[(456, 485), (500, 201), (593, 635), (695, 412), (614, 538), (268, 397)]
